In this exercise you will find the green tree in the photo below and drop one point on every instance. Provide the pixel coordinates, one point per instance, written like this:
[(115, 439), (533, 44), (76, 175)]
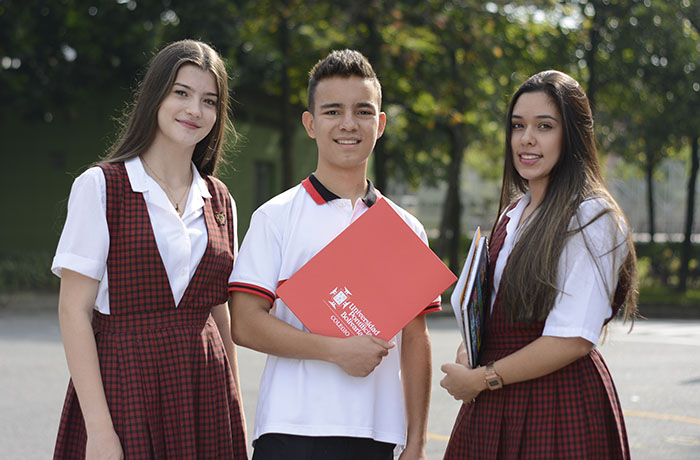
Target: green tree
[(648, 60), (459, 62)]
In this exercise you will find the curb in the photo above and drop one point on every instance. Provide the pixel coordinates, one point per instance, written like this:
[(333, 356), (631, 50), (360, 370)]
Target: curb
[(48, 301), (646, 311), (31, 301), (670, 311)]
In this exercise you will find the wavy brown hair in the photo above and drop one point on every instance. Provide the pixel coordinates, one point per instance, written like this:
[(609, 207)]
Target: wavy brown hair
[(529, 283), (141, 122)]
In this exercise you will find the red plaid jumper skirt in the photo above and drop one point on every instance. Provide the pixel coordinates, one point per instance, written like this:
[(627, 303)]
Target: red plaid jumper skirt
[(169, 387), (573, 413)]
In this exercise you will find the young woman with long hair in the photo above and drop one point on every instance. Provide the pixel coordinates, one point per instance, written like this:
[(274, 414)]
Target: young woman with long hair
[(145, 259), (562, 264)]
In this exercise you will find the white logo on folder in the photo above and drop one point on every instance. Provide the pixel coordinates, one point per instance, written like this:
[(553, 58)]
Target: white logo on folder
[(339, 298)]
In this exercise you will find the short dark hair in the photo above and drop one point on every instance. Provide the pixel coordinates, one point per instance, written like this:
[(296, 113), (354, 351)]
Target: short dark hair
[(342, 63)]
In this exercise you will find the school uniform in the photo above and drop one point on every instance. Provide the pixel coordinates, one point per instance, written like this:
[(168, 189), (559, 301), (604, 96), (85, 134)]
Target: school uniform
[(574, 412), (314, 398), (167, 380)]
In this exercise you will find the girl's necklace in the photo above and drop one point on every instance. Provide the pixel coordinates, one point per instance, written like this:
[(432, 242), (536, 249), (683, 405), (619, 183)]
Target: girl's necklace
[(167, 188)]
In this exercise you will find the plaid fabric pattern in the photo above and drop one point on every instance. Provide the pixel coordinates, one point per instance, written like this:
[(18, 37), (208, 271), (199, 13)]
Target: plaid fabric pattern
[(168, 384), (573, 413)]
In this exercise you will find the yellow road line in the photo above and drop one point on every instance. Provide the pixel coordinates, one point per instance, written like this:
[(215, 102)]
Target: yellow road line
[(673, 418), (627, 413), (438, 437)]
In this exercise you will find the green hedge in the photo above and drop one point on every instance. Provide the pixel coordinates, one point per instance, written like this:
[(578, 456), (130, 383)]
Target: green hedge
[(659, 264), (29, 272), (659, 267)]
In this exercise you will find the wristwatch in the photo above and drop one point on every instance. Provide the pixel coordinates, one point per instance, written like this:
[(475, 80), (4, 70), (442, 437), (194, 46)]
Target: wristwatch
[(493, 380)]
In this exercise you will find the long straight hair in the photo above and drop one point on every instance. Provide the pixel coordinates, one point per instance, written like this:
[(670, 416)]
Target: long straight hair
[(529, 283), (139, 129)]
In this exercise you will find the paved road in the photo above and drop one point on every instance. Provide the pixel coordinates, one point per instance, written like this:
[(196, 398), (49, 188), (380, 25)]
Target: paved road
[(656, 369)]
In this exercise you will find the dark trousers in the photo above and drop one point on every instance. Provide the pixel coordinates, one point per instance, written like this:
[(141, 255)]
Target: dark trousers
[(275, 446)]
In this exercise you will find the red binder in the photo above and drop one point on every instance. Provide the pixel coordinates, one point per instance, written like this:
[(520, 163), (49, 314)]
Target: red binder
[(372, 279)]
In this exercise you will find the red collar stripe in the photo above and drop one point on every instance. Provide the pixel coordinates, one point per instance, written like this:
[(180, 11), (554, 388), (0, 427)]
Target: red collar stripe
[(312, 191)]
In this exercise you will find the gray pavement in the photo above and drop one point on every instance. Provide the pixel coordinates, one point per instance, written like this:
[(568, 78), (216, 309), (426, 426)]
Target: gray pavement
[(656, 369)]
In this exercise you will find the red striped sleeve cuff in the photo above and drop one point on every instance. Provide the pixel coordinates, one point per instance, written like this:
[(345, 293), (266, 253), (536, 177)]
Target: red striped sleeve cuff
[(433, 307), (252, 289)]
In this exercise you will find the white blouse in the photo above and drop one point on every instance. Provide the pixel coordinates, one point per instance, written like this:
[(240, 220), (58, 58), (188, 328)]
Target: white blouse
[(586, 289), (84, 243)]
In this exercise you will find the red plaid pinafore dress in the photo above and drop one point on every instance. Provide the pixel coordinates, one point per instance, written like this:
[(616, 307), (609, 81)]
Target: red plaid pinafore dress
[(573, 413), (169, 387)]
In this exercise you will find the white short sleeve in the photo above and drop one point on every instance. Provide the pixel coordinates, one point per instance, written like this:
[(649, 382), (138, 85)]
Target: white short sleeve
[(588, 281), (84, 242), (260, 257), (234, 213)]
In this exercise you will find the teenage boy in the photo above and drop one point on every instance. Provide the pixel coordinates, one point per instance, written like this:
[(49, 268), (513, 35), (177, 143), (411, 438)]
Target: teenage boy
[(322, 397)]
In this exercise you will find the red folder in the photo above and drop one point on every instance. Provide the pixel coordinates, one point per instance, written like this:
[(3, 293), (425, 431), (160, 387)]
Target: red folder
[(372, 279)]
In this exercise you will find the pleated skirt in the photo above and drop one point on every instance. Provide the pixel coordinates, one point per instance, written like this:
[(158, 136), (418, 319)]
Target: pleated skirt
[(169, 387)]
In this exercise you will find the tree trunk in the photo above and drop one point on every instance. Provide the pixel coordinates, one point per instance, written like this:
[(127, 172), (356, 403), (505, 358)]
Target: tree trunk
[(372, 48), (380, 166), (450, 225), (286, 132), (686, 248), (594, 38), (650, 195)]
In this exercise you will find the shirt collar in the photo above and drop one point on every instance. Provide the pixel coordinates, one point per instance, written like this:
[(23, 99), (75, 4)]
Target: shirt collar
[(320, 194), (137, 175), (200, 184), (142, 182), (518, 209), (514, 226)]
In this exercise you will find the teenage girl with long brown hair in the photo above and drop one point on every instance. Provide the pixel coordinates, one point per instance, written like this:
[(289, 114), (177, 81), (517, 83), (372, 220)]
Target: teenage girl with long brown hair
[(562, 264), (144, 259)]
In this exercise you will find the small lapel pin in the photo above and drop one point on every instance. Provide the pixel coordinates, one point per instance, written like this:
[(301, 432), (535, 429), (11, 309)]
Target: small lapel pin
[(220, 217)]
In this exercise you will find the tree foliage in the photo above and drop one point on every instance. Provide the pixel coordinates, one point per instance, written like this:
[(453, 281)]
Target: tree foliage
[(447, 68)]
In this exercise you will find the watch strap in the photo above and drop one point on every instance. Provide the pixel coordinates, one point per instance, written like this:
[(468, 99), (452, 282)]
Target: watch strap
[(493, 380)]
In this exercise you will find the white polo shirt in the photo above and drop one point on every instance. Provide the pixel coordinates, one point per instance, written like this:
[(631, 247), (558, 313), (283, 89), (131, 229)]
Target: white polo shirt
[(313, 397)]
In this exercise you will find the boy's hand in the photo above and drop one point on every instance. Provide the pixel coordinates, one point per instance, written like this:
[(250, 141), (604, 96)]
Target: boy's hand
[(413, 453), (359, 355)]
